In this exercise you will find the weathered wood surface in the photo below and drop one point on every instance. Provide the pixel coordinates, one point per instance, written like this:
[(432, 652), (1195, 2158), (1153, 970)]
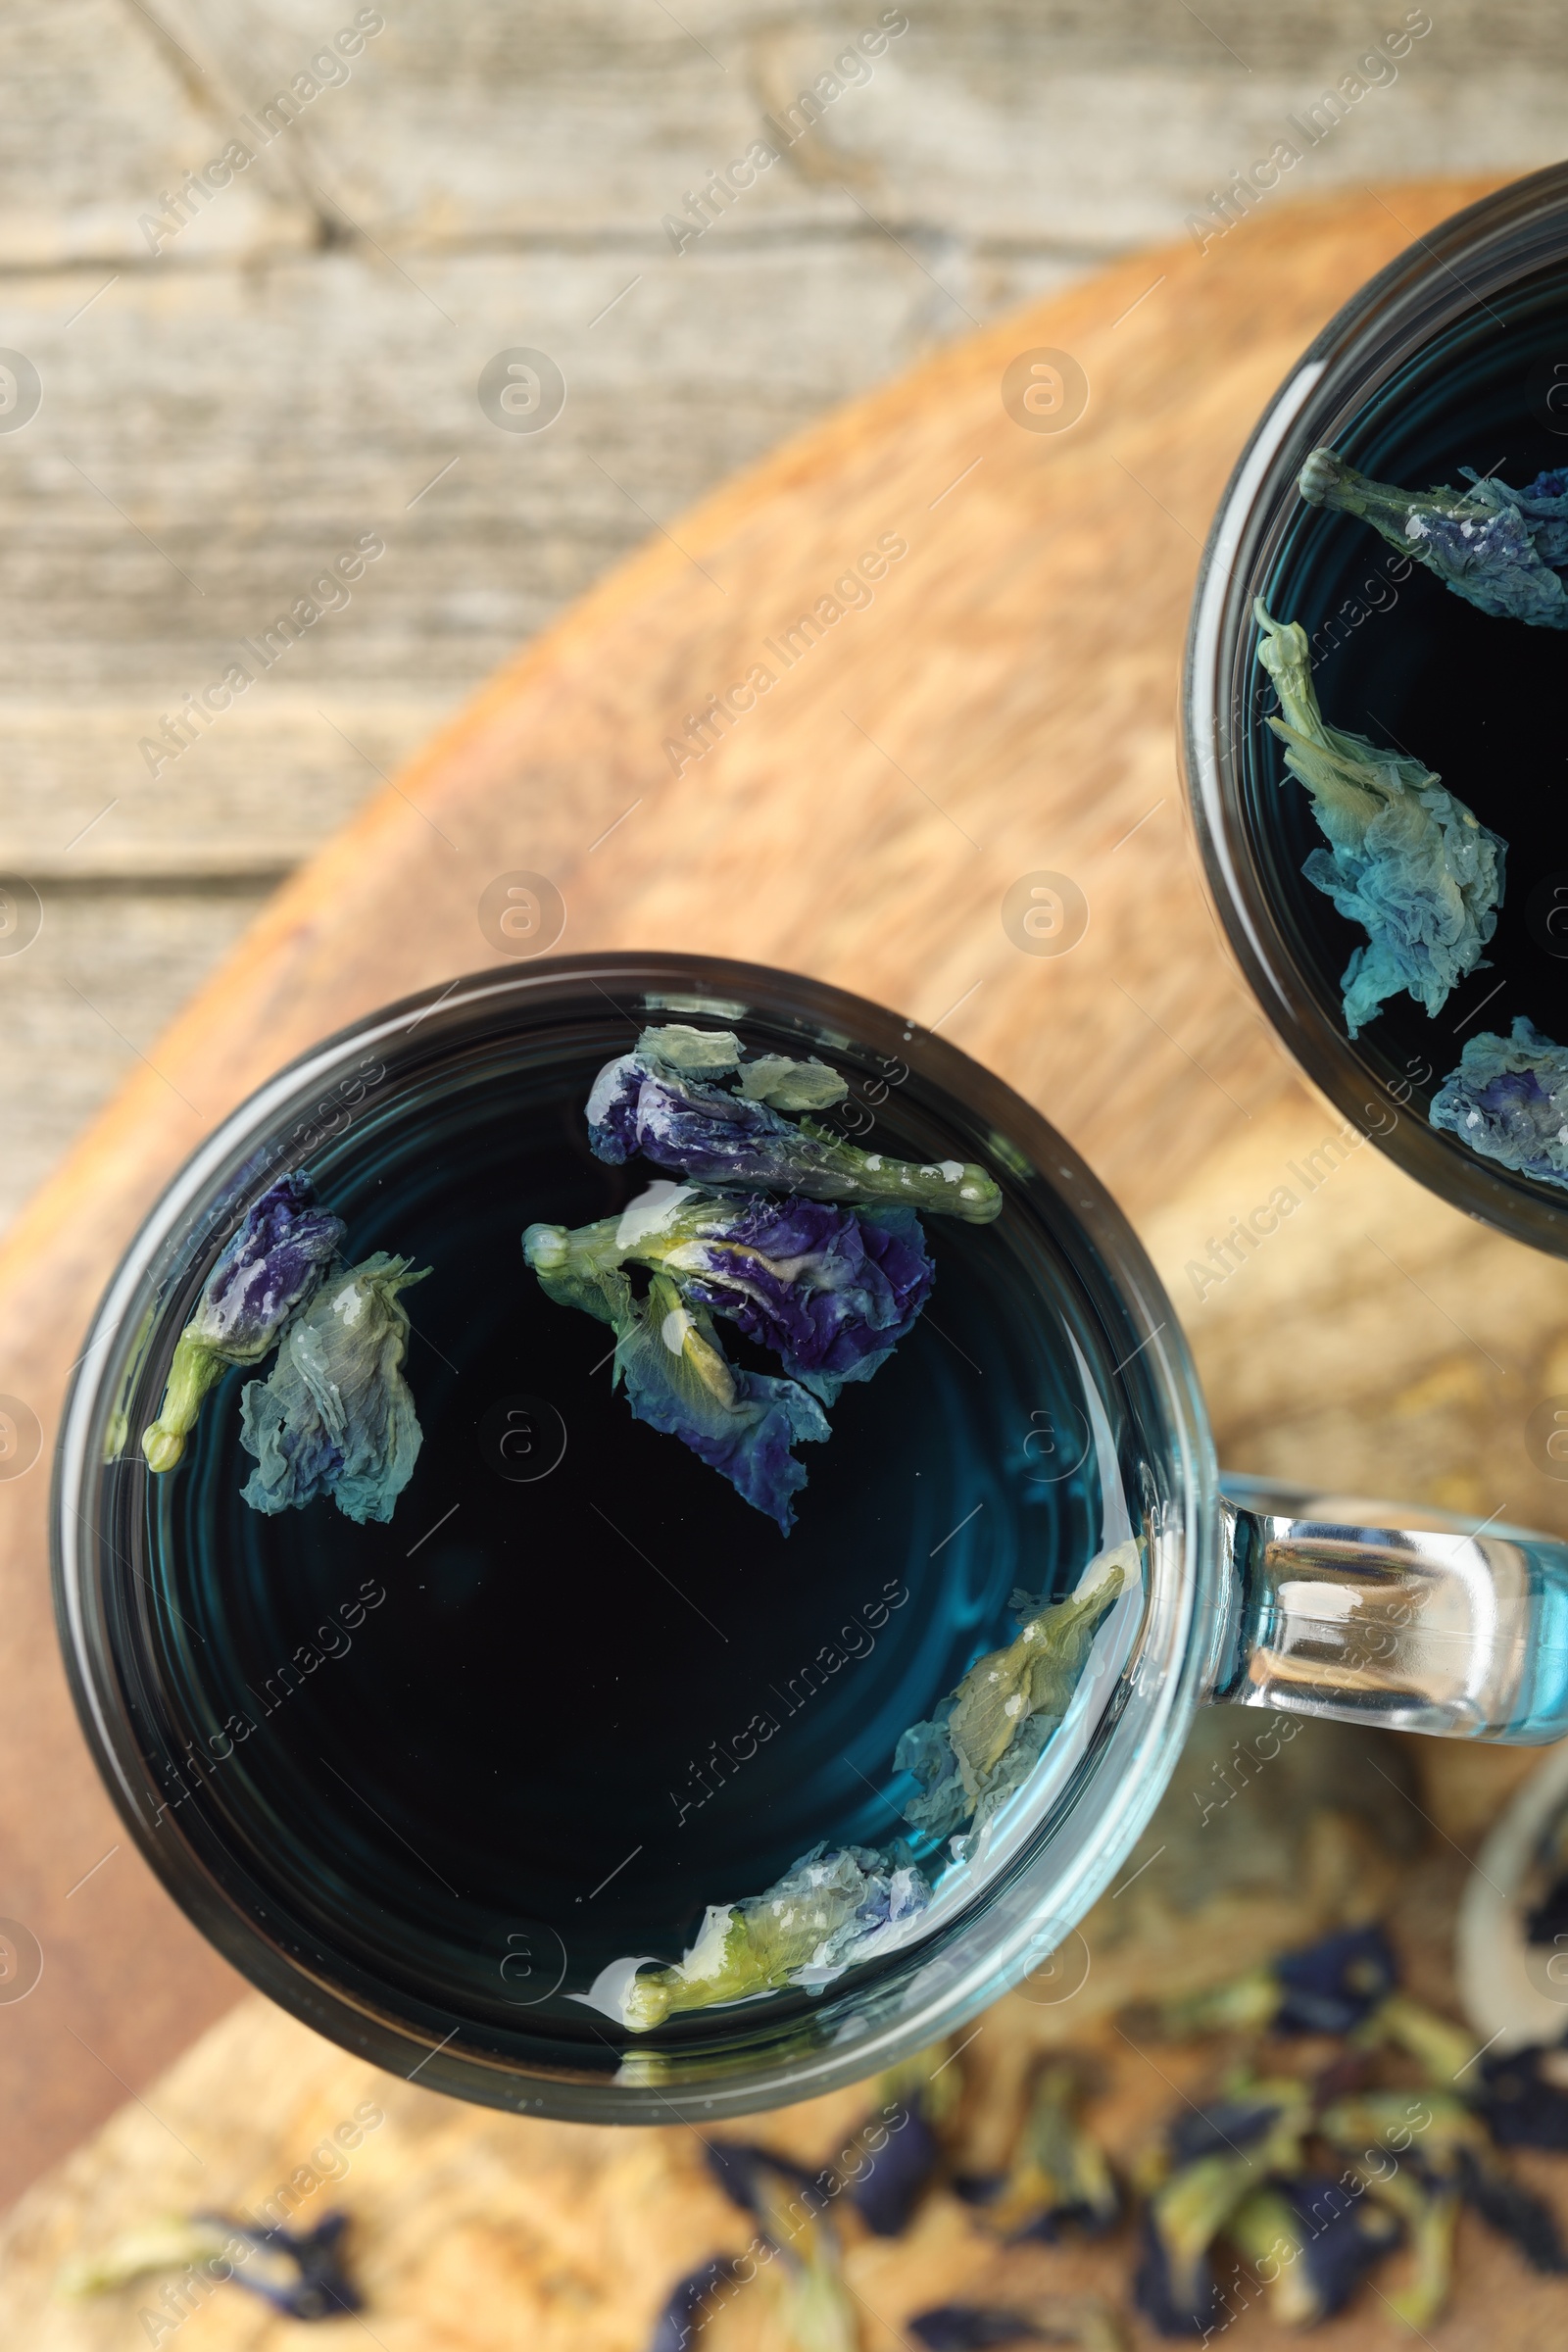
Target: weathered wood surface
[(300, 359), (1005, 703)]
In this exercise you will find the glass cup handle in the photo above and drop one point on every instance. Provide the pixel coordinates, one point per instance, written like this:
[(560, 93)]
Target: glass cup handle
[(1412, 1619)]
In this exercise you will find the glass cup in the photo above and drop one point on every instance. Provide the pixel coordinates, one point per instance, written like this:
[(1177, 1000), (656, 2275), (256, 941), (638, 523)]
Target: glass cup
[(282, 1822), (1459, 347)]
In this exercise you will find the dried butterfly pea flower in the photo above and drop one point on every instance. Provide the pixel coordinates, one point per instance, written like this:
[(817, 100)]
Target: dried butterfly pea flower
[(1508, 1101), (830, 1291), (1500, 549), (1218, 2155), (1059, 2180), (1406, 860), (1444, 2143), (1429, 2214), (1329, 1986), (987, 1738), (791, 2208), (334, 1416), (1523, 2098), (914, 2099), (300, 2273), (677, 1377), (834, 1907), (266, 1272), (664, 1100), (1514, 2212), (688, 2301), (898, 2173), (1430, 2138), (1318, 2239), (1082, 2319)]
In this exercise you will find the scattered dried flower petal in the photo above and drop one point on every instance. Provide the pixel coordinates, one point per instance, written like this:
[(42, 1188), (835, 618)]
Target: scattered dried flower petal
[(687, 2304), (1059, 2180)]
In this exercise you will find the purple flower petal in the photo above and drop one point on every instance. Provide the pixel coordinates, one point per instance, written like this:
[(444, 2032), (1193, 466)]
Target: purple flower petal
[(680, 1114), (265, 1273)]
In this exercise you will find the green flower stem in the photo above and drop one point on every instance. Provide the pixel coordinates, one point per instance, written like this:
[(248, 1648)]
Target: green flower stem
[(193, 1370)]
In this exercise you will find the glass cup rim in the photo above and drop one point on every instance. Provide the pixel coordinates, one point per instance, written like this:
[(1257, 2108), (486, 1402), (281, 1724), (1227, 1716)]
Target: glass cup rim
[(1172, 1668), (1501, 238)]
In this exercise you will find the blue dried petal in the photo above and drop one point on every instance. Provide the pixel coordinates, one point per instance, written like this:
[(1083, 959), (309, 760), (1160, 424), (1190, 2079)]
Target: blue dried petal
[(336, 1416), (1407, 861), (1332, 1986), (831, 1290), (266, 1272), (300, 2273), (1320, 2238), (1051, 2318), (676, 1114), (676, 1375), (689, 2298), (898, 2173), (970, 2328), (1223, 2126), (1499, 549), (1177, 2295), (1059, 2180), (740, 1423), (1521, 2103), (740, 2167), (1508, 1101), (1515, 2213)]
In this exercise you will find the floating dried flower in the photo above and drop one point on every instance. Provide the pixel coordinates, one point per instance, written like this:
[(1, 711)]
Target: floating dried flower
[(666, 1100), (988, 1737), (678, 1379), (834, 1907), (334, 1416), (1500, 549), (1508, 1101), (266, 1272), (830, 1291), (1406, 860)]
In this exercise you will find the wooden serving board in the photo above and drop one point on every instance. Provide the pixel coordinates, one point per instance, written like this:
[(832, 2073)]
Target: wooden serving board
[(1004, 705)]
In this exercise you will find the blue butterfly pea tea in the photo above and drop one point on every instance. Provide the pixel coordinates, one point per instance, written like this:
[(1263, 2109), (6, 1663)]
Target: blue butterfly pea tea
[(604, 1740), (1408, 835)]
